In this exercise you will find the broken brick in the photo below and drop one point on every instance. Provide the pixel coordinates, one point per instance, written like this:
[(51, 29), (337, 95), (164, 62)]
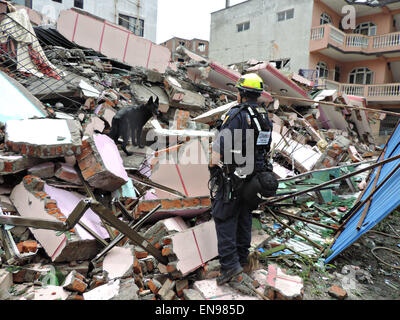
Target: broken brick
[(106, 170), (337, 292), (154, 286), (75, 282)]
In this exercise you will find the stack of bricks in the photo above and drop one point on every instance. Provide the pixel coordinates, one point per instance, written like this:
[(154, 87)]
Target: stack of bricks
[(93, 167), (36, 186), (168, 205)]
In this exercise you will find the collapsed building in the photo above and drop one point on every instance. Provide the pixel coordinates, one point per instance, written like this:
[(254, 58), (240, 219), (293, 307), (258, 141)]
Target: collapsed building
[(81, 220)]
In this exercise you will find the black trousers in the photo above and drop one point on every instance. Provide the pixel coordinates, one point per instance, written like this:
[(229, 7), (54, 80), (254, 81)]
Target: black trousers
[(233, 222)]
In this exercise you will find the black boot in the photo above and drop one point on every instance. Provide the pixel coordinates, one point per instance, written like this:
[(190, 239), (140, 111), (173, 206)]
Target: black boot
[(226, 276)]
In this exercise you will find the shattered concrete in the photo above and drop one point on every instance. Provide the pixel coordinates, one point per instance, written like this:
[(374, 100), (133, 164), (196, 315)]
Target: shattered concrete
[(65, 134)]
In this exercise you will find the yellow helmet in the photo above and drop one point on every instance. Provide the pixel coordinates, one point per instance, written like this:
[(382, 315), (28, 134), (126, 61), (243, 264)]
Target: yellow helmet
[(251, 82)]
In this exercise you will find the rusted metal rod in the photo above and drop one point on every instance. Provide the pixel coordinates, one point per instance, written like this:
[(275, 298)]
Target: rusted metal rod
[(295, 231), (326, 169), (280, 212), (332, 181)]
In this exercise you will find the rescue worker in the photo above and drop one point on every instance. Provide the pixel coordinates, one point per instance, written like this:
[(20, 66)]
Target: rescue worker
[(244, 134)]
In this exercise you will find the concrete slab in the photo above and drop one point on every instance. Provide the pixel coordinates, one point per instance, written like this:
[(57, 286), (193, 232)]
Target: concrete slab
[(281, 286), (182, 98), (16, 163), (101, 164), (177, 172), (194, 247), (104, 292), (44, 170), (93, 124), (143, 93), (213, 115), (112, 40), (51, 293), (118, 262), (34, 199), (304, 156), (14, 94), (186, 208), (44, 138), (114, 290), (275, 81), (6, 281), (211, 291)]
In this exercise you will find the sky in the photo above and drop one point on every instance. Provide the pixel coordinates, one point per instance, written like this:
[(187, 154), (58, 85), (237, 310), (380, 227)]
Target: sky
[(187, 19)]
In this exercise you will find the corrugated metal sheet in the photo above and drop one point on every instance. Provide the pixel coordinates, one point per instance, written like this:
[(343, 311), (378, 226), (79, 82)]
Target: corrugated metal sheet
[(385, 200)]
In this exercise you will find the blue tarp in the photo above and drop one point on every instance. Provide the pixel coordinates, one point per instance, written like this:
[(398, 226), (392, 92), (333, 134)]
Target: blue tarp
[(384, 201)]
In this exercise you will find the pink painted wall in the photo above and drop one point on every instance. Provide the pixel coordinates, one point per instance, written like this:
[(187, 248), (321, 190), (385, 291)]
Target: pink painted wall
[(317, 57), (384, 21), (112, 40), (320, 8), (382, 74), (379, 67)]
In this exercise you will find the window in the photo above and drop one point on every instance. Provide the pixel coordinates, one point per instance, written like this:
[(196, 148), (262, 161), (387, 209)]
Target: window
[(202, 47), (366, 28), (361, 76), (78, 4), (322, 69), (325, 19), (243, 26), (182, 43), (337, 74), (133, 24), (285, 15)]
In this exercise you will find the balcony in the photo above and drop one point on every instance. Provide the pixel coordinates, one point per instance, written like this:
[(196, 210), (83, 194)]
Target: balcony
[(384, 93), (323, 37)]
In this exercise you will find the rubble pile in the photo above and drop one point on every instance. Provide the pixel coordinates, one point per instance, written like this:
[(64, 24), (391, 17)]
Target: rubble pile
[(81, 220)]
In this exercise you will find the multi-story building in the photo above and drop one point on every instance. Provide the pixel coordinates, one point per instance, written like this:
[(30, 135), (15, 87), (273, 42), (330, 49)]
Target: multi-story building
[(137, 15), (363, 61), (268, 30), (310, 37), (195, 45)]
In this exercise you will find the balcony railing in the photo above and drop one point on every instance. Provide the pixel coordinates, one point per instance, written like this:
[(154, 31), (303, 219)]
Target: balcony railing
[(375, 92), (387, 40), (321, 36), (352, 89), (317, 33), (387, 90)]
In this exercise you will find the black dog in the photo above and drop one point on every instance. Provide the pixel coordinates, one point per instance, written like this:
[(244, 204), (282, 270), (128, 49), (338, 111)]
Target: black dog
[(131, 120)]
